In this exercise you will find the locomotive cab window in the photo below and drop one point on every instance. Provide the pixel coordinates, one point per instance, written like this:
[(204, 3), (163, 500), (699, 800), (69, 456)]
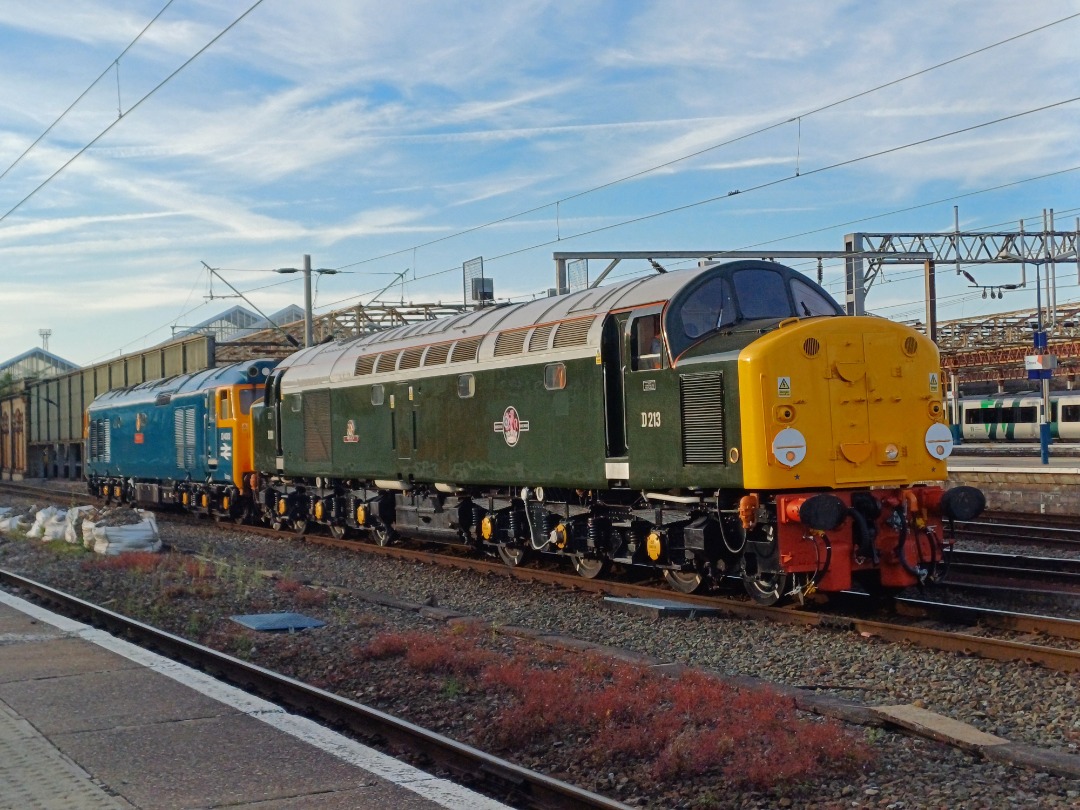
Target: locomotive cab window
[(646, 347), (224, 404), (378, 394), (555, 376), (247, 397), (809, 302)]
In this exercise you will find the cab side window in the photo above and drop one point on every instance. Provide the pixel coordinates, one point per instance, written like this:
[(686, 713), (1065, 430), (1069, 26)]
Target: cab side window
[(646, 345), (224, 404)]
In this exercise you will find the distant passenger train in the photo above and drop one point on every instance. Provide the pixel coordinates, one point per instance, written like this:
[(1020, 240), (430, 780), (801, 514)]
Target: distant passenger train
[(1016, 417)]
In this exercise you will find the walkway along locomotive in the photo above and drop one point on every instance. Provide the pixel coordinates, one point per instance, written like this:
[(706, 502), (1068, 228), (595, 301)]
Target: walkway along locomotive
[(728, 418)]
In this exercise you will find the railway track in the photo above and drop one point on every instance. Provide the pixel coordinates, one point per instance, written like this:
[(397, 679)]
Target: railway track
[(509, 782), (1030, 574), (1057, 658), (1039, 531)]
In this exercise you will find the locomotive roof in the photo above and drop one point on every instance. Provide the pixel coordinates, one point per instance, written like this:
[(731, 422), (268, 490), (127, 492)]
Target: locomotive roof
[(204, 379), (332, 362)]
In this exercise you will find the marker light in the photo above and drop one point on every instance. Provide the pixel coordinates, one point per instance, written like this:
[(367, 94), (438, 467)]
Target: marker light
[(939, 442), (789, 447)]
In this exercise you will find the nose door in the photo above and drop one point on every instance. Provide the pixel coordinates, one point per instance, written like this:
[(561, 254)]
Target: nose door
[(849, 407)]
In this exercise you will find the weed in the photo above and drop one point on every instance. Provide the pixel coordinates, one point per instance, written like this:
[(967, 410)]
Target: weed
[(142, 562), (62, 548), (452, 687)]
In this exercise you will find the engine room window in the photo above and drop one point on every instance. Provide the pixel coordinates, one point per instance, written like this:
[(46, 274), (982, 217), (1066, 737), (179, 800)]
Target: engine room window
[(645, 343), (378, 394), (466, 386), (555, 376)]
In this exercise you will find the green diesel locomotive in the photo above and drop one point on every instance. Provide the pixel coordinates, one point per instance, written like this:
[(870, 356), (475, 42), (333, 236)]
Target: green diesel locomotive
[(728, 418)]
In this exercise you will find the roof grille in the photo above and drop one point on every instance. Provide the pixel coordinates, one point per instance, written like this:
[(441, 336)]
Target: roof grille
[(465, 349), (410, 358), (387, 362), (541, 337), (436, 355), (510, 342), (365, 364), (572, 333)]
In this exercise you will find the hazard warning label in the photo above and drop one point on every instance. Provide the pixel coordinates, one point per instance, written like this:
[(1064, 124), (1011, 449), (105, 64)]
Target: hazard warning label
[(783, 386)]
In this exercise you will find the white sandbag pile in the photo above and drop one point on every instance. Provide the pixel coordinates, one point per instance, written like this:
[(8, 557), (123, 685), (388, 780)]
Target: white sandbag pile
[(120, 529), (75, 517), (106, 531), (45, 520), (12, 521)]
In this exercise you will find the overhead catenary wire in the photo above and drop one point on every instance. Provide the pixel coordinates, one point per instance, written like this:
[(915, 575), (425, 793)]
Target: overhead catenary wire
[(755, 188), (761, 130), (114, 63), (130, 110)]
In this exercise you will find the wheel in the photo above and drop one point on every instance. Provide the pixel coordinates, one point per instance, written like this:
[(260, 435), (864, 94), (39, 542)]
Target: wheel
[(383, 534), (684, 581), (765, 589), (336, 531), (300, 527), (512, 555), (589, 568)]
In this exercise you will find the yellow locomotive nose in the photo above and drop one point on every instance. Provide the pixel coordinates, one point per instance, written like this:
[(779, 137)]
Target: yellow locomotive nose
[(841, 402)]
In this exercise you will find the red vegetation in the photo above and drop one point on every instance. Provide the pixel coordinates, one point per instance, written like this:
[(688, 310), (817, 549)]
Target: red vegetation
[(303, 595), (677, 727), (140, 561)]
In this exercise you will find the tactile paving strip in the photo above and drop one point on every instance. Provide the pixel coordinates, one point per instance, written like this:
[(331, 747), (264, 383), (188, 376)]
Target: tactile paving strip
[(34, 775)]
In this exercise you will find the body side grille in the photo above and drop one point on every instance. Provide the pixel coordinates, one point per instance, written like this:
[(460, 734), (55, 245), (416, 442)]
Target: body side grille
[(701, 399)]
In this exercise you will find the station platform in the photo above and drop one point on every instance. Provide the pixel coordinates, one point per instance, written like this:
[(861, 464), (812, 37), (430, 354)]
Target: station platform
[(1018, 482), (92, 722)]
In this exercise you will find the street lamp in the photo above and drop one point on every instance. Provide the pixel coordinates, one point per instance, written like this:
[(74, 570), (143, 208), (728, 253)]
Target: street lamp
[(306, 270)]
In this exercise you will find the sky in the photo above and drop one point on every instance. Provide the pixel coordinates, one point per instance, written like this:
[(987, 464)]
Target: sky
[(141, 142)]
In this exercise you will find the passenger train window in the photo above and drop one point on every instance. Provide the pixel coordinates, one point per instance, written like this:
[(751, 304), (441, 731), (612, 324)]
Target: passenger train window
[(1070, 413), (809, 302)]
